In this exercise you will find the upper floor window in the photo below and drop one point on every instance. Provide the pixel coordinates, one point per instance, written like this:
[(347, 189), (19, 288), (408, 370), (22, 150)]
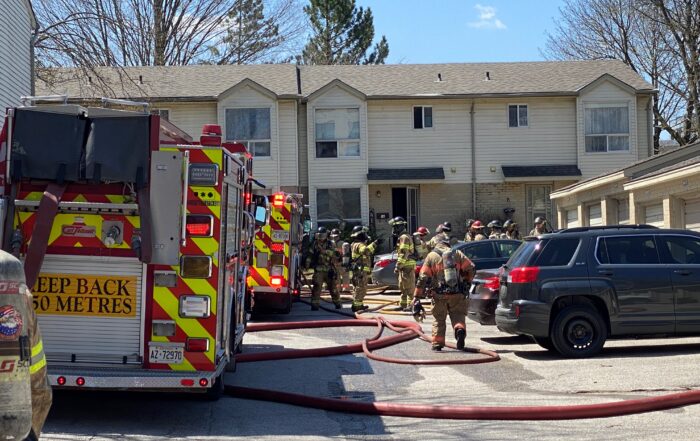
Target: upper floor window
[(250, 126), (517, 115), (422, 117), (607, 129), (337, 133), (163, 113)]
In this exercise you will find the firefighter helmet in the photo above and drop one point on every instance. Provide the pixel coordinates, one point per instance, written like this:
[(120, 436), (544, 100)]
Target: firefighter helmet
[(540, 220), (359, 232), (398, 225), (423, 231), (509, 223), (495, 224), (469, 223), (446, 226), (322, 233), (477, 224), (335, 232)]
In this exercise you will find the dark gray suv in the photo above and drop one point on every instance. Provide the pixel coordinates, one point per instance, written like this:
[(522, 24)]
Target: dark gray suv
[(572, 289)]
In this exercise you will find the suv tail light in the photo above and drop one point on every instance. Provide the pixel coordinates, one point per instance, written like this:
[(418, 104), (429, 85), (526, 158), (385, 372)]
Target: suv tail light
[(383, 263), (493, 283), (523, 274)]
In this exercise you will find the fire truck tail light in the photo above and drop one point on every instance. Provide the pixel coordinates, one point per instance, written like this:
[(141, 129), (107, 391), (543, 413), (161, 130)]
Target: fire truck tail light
[(196, 267), (61, 381), (197, 345), (278, 200), (199, 225), (276, 281), (80, 381), (187, 382), (195, 306), (203, 382)]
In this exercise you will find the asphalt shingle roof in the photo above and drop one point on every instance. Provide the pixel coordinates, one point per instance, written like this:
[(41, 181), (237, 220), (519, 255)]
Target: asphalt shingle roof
[(532, 171), (397, 80), (670, 168), (405, 174)]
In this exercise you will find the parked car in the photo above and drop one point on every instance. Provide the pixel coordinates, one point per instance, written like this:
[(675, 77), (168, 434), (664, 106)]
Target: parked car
[(573, 289), (483, 296), (485, 254)]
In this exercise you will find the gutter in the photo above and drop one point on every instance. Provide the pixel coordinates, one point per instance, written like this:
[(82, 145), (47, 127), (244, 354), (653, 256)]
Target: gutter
[(473, 153)]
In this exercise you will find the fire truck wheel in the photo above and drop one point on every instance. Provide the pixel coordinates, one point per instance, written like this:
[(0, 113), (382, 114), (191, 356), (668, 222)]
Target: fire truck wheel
[(216, 390)]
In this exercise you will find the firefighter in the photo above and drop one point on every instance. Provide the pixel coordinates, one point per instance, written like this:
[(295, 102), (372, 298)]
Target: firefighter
[(361, 266), (495, 229), (25, 394), (511, 230), (445, 276), (443, 231), (419, 243), (343, 248), (476, 232), (323, 258), (468, 224), (540, 226), (405, 262)]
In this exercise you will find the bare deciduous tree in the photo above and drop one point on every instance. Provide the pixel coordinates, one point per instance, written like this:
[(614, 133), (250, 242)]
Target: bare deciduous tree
[(635, 32)]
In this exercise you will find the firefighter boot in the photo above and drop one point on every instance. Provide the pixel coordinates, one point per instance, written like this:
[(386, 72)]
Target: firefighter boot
[(356, 308), (460, 335), (437, 348)]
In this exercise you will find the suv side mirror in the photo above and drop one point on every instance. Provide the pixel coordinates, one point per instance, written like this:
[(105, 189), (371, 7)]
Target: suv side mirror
[(261, 213)]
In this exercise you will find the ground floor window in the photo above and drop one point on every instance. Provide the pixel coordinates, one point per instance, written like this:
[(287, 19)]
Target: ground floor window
[(538, 203), (335, 205)]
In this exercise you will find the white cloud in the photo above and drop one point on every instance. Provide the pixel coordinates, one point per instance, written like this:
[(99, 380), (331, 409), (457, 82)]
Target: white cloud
[(487, 18)]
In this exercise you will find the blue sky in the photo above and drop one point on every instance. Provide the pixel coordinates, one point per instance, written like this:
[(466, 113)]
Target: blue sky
[(443, 31)]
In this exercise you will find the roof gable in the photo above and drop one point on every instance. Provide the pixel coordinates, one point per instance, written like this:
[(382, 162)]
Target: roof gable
[(336, 83), (606, 77), (247, 82)]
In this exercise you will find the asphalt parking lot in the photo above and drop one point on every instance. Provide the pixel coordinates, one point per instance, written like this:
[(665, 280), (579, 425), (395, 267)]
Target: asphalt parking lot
[(526, 376)]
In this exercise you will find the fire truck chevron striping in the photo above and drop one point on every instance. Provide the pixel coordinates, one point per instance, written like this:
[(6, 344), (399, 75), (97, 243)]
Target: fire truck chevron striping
[(139, 250), (273, 277)]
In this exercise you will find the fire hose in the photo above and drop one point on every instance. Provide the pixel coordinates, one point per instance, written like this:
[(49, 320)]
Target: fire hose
[(405, 331)]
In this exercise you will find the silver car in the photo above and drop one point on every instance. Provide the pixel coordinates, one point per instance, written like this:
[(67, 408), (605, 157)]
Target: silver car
[(485, 254)]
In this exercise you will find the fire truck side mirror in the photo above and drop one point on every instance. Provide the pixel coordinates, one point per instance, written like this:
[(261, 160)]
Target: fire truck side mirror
[(261, 212)]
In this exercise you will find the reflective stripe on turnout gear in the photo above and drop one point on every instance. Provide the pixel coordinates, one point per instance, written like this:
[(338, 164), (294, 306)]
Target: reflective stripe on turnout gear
[(405, 251), (38, 359)]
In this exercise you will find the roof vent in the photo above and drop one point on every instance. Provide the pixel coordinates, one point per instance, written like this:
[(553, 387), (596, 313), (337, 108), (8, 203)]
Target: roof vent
[(140, 79), (439, 77), (488, 76)]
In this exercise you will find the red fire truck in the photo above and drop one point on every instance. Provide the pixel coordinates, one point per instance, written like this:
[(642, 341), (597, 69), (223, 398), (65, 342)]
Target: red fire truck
[(136, 242), (274, 274)]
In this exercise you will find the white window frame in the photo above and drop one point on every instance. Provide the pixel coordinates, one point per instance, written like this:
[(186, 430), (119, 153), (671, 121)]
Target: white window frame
[(519, 105), (423, 127), (158, 110), (350, 187), (602, 105), (339, 141), (246, 142)]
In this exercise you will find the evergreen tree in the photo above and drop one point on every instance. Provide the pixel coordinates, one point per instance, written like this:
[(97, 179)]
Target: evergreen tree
[(250, 36), (342, 34)]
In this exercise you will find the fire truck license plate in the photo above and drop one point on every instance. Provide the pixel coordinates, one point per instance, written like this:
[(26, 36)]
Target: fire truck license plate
[(166, 355), (280, 236)]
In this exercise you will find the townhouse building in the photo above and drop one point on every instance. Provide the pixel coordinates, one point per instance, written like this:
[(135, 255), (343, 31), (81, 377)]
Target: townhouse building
[(433, 142), (17, 27)]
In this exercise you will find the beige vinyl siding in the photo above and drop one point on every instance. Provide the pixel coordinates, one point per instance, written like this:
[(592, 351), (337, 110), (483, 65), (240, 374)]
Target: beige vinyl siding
[(265, 169), (190, 117), (394, 143), (549, 138), (337, 172), (643, 149), (288, 156), (593, 164), (15, 53), (303, 143)]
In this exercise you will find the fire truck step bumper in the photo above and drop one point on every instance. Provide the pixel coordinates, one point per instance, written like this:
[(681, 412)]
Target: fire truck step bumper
[(61, 377)]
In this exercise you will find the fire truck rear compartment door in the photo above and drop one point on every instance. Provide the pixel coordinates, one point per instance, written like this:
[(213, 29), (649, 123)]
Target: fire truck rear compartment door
[(106, 330), (166, 206)]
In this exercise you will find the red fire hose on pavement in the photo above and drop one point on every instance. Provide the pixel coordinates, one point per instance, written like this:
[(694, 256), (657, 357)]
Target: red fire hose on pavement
[(406, 331)]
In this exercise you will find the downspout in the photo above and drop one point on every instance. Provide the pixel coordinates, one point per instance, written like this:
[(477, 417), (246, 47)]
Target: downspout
[(650, 126), (32, 42), (473, 152)]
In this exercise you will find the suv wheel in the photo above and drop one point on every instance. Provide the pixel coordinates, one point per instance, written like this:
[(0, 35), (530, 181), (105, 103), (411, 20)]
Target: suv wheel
[(578, 332), (544, 342)]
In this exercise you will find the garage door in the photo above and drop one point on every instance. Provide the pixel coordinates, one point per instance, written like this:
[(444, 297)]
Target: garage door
[(595, 217), (623, 211), (572, 218), (654, 215), (692, 214)]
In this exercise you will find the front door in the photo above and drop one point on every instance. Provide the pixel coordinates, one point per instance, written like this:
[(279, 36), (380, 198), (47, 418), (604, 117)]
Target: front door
[(404, 203), (538, 202)]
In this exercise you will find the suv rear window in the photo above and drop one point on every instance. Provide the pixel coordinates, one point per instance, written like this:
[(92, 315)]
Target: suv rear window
[(558, 252), (630, 250), (524, 252)]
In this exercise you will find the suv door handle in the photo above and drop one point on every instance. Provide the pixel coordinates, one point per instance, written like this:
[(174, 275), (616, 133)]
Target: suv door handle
[(605, 272), (683, 272)]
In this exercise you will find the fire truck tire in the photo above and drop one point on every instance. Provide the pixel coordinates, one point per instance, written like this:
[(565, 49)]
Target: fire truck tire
[(216, 390)]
